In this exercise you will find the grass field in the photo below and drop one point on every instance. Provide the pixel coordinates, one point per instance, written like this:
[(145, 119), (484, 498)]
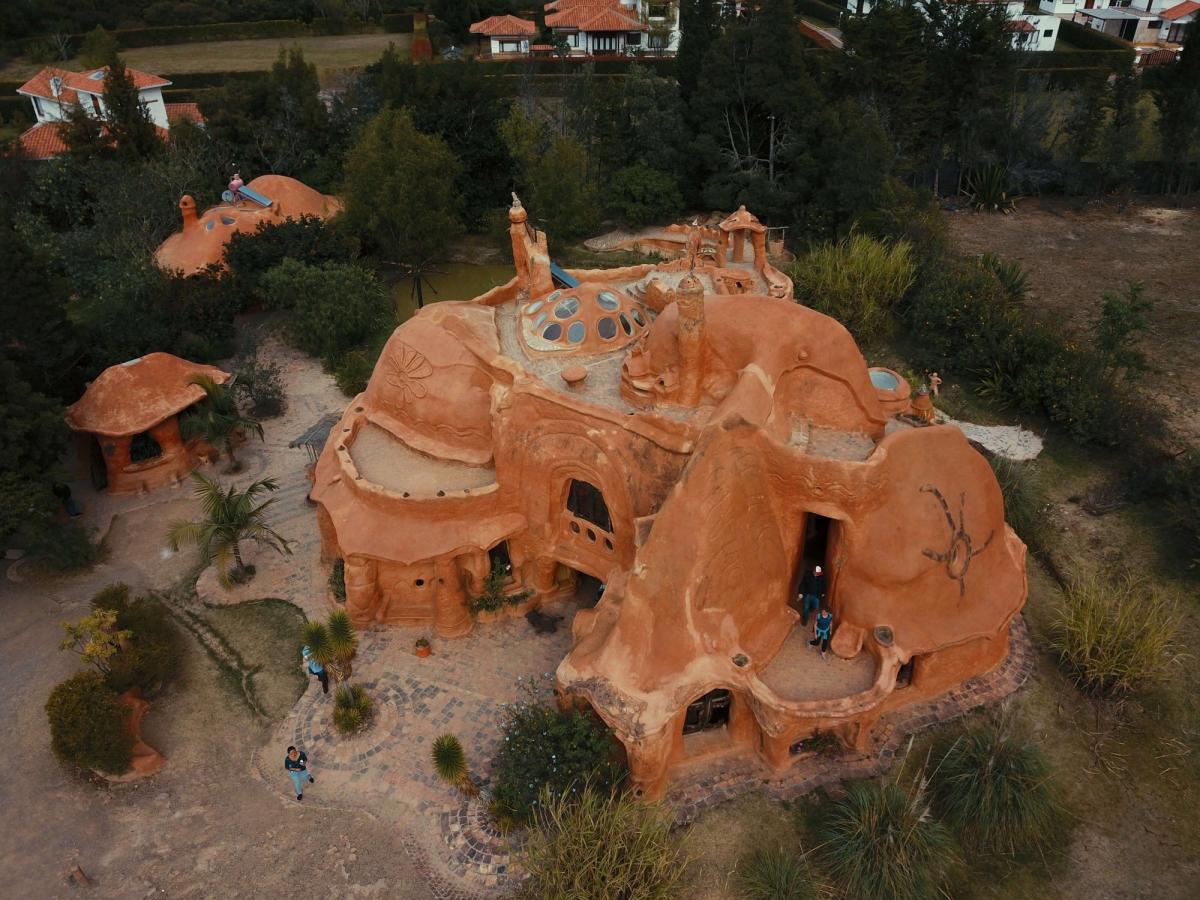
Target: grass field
[(327, 53)]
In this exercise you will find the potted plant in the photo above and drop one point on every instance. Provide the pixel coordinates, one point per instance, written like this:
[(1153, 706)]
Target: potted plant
[(422, 647)]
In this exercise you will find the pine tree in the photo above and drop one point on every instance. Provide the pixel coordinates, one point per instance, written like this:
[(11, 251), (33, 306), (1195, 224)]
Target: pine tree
[(1177, 94), (128, 120), (699, 28)]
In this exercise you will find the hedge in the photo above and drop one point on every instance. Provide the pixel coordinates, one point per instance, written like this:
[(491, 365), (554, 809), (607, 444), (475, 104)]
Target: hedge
[(823, 12), (660, 65), (1090, 39), (196, 81), (1107, 58), (398, 23)]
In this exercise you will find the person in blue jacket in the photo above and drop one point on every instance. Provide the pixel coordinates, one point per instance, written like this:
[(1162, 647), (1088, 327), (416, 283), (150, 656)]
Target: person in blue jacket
[(822, 631), (315, 668)]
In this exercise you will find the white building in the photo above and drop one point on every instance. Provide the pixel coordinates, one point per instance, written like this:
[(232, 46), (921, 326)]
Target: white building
[(55, 92), (589, 28), (501, 36), (1030, 31)]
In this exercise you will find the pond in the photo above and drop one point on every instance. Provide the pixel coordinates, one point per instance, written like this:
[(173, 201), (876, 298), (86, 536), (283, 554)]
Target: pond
[(451, 281)]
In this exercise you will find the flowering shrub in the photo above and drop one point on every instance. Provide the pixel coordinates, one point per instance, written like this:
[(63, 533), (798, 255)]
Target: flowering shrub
[(546, 747)]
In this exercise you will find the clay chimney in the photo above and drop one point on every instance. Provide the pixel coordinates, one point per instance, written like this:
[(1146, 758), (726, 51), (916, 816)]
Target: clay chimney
[(187, 209), (517, 218), (689, 298)]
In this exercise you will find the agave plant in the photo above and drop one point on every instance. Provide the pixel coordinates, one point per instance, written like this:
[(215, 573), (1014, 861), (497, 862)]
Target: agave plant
[(988, 190), (450, 763), (352, 709)]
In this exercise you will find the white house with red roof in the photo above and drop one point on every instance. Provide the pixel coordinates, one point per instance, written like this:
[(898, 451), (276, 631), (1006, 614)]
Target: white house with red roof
[(591, 28), (55, 92), (1176, 20), (501, 36), (1030, 30)]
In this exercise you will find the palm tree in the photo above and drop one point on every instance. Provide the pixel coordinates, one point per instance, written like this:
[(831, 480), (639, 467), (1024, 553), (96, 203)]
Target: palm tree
[(230, 517), (217, 419)]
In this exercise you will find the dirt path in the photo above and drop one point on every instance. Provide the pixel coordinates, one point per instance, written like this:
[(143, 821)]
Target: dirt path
[(1074, 256)]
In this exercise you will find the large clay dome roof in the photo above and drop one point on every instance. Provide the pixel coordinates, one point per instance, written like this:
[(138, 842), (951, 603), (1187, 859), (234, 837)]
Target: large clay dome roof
[(590, 318), (135, 396)]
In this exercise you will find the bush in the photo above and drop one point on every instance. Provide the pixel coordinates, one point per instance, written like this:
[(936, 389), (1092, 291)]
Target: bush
[(88, 725), (494, 596), (352, 709), (774, 873), (61, 546), (307, 239), (153, 655), (641, 196), (1025, 502), (260, 383), (332, 308), (98, 48), (546, 747), (856, 281), (354, 372), (994, 791), (1115, 634), (594, 843), (879, 841)]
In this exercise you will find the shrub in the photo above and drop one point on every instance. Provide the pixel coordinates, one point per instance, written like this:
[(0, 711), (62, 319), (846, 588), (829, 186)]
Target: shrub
[(353, 372), (880, 841), (594, 843), (88, 725), (151, 657), (856, 281), (337, 580), (98, 47), (546, 747), (641, 195), (774, 873), (260, 383), (1025, 502), (1183, 496), (307, 239), (352, 709), (994, 791), (988, 190), (332, 308), (493, 596), (61, 547), (450, 763), (1011, 275), (1115, 634)]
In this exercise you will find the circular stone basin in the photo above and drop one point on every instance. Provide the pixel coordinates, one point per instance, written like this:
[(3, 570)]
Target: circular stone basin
[(574, 375), (884, 380)]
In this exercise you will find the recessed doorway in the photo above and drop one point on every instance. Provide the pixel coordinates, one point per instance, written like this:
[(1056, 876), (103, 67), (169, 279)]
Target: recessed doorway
[(708, 713)]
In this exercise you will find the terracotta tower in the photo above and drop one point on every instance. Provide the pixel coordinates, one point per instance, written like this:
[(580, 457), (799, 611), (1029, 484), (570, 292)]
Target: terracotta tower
[(689, 298), (517, 218)]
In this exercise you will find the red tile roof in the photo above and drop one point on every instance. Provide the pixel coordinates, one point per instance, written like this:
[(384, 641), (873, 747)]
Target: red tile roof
[(503, 26), (1019, 25), (39, 84), (593, 17), (177, 112), (43, 141), (1179, 11)]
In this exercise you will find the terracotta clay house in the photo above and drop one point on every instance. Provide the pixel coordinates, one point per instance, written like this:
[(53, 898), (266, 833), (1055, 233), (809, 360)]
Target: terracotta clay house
[(128, 422), (690, 436), (202, 240)]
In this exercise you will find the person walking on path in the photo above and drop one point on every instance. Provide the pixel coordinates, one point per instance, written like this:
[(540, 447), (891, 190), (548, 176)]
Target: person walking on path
[(812, 591), (315, 668), (296, 765), (822, 631)]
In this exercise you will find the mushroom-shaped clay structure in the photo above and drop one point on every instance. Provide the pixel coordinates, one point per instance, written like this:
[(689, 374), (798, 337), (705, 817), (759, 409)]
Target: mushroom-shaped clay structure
[(587, 319)]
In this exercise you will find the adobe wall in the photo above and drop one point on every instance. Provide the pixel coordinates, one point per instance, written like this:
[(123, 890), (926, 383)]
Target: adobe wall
[(176, 462)]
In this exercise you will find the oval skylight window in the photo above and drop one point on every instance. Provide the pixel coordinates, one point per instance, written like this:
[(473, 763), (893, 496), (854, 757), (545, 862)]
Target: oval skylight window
[(552, 332), (554, 295), (608, 300), (208, 226), (576, 332), (637, 316), (607, 328), (539, 320), (625, 324), (566, 308), (227, 220), (534, 306)]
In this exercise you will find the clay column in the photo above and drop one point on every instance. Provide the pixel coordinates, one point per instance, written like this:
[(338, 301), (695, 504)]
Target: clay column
[(362, 591), (689, 298), (545, 568), (450, 615), (739, 244), (759, 240)]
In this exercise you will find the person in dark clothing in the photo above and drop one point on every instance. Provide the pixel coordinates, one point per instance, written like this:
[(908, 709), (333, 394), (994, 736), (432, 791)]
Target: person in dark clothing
[(812, 593), (822, 632), (296, 765)]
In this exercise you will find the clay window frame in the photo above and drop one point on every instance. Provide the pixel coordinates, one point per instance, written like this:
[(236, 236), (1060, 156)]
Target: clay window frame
[(586, 502), (499, 555)]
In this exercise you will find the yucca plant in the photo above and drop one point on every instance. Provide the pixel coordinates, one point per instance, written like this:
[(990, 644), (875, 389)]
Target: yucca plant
[(332, 643), (1011, 275), (230, 517), (352, 709), (450, 763), (988, 190), (1115, 634), (602, 845), (882, 841), (775, 873), (994, 791)]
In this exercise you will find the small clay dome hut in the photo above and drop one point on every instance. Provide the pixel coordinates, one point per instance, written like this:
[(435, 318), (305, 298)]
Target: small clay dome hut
[(131, 413)]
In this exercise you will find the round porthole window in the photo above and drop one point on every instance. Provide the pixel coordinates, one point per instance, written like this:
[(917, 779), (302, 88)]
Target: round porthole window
[(566, 308), (625, 324), (552, 332), (608, 300), (576, 332), (607, 328)]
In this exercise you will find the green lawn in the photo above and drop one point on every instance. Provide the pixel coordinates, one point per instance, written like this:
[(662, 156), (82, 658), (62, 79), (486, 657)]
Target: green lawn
[(327, 53)]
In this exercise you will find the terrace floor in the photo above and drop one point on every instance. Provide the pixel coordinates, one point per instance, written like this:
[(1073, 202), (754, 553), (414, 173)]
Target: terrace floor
[(798, 673)]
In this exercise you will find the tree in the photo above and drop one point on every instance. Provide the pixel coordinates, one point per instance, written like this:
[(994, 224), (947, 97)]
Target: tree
[(96, 638), (33, 436), (641, 195), (98, 47), (1177, 94), (332, 308), (129, 124), (401, 194), (217, 419), (1119, 142), (230, 518), (699, 27)]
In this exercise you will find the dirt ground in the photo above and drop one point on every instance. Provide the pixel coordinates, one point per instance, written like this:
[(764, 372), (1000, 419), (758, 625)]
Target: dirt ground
[(1073, 255)]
